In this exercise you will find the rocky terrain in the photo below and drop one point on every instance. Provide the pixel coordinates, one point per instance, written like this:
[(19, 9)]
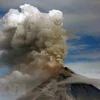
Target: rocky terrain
[(49, 90)]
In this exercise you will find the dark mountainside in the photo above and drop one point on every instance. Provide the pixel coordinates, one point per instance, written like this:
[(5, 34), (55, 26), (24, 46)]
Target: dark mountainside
[(78, 91)]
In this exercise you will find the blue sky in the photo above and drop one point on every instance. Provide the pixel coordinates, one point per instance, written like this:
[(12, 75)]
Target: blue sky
[(85, 49), (83, 15), (4, 70)]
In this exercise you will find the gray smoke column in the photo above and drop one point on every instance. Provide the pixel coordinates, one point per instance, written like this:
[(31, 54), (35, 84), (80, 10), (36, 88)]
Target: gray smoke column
[(34, 40)]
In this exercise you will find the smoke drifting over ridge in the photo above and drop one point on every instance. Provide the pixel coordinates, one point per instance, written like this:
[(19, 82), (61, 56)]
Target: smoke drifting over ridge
[(32, 39)]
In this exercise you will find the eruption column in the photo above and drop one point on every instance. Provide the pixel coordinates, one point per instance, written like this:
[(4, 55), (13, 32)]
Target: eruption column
[(37, 38)]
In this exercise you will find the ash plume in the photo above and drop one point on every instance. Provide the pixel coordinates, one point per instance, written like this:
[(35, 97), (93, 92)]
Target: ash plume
[(33, 40)]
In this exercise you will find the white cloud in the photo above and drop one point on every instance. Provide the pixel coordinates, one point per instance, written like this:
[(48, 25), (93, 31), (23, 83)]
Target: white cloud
[(88, 69), (16, 78), (88, 54), (18, 84), (77, 47), (25, 83), (84, 51), (81, 14), (76, 78)]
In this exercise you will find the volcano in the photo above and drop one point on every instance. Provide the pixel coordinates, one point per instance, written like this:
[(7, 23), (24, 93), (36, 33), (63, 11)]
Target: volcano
[(34, 45), (53, 90)]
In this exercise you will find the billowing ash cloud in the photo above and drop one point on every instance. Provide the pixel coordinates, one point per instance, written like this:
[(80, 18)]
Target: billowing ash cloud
[(32, 39)]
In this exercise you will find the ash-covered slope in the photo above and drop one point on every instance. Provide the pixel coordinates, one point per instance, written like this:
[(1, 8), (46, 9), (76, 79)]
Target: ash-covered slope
[(50, 90)]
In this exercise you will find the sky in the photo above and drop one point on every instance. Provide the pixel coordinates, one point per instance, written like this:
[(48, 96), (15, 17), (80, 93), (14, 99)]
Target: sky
[(80, 15)]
